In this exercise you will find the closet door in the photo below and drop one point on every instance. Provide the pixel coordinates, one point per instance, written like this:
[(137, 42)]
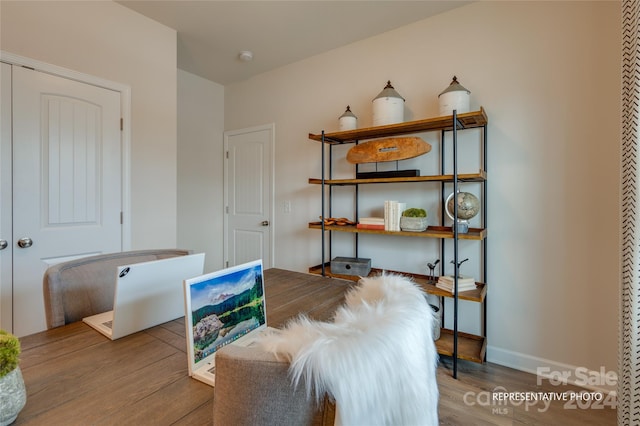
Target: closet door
[(67, 184)]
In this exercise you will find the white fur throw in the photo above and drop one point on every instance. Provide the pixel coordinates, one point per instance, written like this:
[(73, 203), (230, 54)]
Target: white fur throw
[(377, 359)]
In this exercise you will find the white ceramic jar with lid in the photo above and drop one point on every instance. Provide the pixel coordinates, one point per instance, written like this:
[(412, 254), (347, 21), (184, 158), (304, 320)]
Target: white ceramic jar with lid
[(454, 97), (388, 107), (348, 120)]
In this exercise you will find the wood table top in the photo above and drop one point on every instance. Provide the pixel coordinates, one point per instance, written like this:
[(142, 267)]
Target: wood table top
[(75, 375)]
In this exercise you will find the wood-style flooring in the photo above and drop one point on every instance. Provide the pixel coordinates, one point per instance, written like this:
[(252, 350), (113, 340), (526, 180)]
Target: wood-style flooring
[(471, 399), (467, 400), (74, 376)]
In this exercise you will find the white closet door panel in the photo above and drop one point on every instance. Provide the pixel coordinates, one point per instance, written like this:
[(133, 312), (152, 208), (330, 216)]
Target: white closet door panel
[(66, 181), (72, 152)]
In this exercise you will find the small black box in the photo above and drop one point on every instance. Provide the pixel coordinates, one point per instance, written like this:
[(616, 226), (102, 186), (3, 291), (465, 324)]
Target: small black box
[(351, 266)]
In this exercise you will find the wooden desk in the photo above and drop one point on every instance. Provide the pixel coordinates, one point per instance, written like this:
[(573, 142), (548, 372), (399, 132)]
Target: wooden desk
[(76, 376)]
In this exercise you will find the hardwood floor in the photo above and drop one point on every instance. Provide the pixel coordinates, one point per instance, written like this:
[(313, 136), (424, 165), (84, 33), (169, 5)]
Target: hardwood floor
[(467, 400), (74, 376)]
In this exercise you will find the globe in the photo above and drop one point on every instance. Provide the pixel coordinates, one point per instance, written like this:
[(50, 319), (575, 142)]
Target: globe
[(468, 205)]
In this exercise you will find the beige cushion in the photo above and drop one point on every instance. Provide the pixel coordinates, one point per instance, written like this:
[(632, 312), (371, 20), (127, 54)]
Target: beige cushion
[(254, 388), (84, 287)]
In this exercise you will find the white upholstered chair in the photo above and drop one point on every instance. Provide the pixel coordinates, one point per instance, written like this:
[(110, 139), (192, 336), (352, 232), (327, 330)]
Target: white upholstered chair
[(83, 287)]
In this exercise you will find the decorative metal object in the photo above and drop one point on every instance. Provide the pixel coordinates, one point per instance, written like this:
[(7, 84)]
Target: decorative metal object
[(388, 107), (348, 120), (432, 270), (454, 97), (453, 262)]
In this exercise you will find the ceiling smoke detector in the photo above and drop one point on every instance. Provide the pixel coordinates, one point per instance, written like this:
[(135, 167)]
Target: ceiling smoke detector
[(245, 55)]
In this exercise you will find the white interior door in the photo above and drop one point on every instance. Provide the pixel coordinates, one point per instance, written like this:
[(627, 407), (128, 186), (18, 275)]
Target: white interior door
[(67, 181), (248, 195)]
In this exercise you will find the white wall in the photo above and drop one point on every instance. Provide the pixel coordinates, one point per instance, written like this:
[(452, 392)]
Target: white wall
[(109, 41), (200, 167), (548, 74), (550, 83)]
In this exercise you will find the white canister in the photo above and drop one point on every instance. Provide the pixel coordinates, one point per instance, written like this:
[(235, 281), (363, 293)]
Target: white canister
[(388, 107), (454, 97), (348, 120)]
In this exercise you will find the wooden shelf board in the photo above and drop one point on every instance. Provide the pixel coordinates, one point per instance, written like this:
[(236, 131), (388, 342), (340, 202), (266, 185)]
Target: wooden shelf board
[(470, 347), (430, 232), (481, 176), (477, 295), (468, 120)]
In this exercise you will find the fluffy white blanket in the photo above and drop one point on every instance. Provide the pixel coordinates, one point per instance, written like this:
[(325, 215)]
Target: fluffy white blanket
[(376, 359)]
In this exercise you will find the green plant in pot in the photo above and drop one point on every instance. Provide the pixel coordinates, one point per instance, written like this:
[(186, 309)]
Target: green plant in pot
[(413, 220), (12, 391)]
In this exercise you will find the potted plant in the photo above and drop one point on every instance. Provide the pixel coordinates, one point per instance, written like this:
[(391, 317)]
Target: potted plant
[(12, 391), (413, 220)]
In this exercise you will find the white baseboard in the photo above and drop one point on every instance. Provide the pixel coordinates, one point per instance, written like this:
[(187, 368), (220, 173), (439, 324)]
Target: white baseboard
[(556, 372)]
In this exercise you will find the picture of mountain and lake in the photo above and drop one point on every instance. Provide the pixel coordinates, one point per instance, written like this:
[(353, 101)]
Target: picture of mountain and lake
[(226, 308)]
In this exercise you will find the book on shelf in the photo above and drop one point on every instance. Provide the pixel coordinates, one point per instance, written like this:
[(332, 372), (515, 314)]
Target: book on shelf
[(449, 279), (388, 207), (461, 288), (379, 226), (447, 283), (392, 212), (371, 220)]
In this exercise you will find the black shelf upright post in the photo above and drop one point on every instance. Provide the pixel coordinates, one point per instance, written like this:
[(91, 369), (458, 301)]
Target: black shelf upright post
[(330, 200), (443, 196), (322, 206), (357, 210), (455, 244), (485, 225)]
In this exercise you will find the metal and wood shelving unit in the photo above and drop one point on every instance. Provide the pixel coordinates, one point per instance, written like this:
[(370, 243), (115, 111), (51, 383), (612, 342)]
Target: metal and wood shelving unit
[(454, 343)]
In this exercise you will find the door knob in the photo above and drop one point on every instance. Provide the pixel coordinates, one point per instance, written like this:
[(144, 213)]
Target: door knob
[(25, 242), (3, 244), (265, 223)]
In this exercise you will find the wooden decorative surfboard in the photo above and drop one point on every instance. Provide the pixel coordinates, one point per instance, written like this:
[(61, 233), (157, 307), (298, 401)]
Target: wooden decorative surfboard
[(389, 149)]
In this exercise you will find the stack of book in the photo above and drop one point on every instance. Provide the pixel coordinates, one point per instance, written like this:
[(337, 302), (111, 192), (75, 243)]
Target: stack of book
[(392, 212), (446, 282), (371, 223)]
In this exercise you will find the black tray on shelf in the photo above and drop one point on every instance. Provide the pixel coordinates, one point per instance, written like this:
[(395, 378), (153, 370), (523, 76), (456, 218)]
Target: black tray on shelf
[(388, 174)]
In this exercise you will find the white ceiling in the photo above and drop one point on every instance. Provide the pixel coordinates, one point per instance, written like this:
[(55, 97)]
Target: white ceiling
[(211, 33)]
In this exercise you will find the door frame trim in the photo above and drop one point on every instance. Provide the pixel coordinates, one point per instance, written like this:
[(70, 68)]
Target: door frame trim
[(125, 109), (225, 249), (6, 207)]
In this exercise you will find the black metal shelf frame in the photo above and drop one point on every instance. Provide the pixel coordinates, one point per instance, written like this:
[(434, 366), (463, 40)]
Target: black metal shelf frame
[(456, 260), (456, 125)]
